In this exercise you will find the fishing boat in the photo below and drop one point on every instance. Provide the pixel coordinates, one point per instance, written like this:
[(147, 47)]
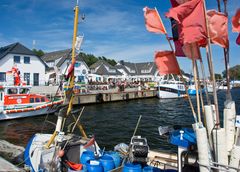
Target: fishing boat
[(16, 101), (170, 88), (64, 151)]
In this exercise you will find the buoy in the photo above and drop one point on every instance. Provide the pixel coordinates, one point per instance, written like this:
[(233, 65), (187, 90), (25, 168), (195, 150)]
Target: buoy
[(219, 141), (229, 125), (210, 122), (203, 148), (235, 158)]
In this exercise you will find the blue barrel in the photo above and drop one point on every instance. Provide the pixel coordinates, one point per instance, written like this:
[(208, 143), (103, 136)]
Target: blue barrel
[(148, 169), (129, 167), (86, 155), (107, 163), (116, 158), (94, 166)]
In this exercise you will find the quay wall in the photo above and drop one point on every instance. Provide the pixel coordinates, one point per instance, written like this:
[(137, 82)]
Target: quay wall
[(99, 96), (113, 96)]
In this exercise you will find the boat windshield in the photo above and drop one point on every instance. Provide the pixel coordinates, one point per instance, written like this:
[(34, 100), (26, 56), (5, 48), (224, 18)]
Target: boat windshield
[(24, 91), (12, 91)]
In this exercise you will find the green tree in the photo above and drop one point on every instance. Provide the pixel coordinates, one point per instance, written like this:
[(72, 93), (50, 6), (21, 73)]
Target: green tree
[(38, 53), (218, 76), (234, 73)]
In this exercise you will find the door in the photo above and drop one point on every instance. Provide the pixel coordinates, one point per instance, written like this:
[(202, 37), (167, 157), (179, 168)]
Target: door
[(27, 78), (35, 79)]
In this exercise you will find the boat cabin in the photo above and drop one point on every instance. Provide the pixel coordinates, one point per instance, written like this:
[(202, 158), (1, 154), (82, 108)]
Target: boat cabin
[(12, 95)]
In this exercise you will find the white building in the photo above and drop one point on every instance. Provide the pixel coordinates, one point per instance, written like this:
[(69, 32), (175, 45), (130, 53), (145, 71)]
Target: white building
[(32, 67), (102, 71), (146, 71), (58, 63)]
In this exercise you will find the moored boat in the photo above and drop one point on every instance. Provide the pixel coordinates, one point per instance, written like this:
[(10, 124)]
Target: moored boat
[(18, 102), (170, 88)]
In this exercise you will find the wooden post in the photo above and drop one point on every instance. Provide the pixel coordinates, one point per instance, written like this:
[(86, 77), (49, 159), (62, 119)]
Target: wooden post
[(211, 68), (205, 81), (200, 88), (196, 87)]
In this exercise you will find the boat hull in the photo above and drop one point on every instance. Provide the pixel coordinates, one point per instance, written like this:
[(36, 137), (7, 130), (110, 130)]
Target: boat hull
[(43, 109), (171, 91)]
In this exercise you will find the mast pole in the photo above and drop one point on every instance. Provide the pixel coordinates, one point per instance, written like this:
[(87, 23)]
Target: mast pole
[(72, 78)]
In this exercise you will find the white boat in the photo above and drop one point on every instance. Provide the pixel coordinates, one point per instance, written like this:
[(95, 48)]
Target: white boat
[(170, 88), (18, 102)]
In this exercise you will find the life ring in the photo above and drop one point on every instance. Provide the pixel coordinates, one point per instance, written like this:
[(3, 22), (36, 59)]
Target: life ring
[(19, 101)]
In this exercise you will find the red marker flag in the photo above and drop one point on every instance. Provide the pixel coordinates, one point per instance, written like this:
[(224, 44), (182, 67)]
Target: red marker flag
[(236, 25), (236, 22), (192, 51), (153, 21), (190, 16), (218, 28), (166, 62)]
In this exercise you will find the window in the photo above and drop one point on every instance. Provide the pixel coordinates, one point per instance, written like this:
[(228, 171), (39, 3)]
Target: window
[(27, 60), (2, 76), (84, 71), (42, 99), (37, 99), (31, 100), (24, 91), (12, 91), (16, 59), (36, 79)]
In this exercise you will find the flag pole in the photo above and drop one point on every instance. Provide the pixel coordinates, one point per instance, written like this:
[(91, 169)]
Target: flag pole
[(196, 85), (205, 80), (189, 99), (226, 58), (209, 50), (200, 90)]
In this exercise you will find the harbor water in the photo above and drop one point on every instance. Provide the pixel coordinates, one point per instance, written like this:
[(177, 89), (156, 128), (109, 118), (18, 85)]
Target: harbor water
[(113, 123)]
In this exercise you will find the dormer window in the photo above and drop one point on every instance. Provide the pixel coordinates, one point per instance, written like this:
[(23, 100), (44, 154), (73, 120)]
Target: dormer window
[(16, 59), (77, 64)]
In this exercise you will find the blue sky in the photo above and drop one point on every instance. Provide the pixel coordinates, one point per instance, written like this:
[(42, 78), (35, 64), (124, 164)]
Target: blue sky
[(112, 28)]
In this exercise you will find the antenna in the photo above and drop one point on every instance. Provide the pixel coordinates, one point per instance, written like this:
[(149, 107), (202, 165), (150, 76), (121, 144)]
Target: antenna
[(34, 43)]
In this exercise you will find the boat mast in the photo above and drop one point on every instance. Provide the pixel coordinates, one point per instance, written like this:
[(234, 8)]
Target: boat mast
[(69, 98)]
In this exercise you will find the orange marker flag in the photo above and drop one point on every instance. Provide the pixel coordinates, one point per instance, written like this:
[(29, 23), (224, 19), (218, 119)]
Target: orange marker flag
[(190, 15), (218, 28), (153, 21), (166, 62)]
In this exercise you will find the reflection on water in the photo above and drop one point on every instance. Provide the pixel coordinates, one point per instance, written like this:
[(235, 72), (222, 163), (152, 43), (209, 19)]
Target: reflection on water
[(112, 123)]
